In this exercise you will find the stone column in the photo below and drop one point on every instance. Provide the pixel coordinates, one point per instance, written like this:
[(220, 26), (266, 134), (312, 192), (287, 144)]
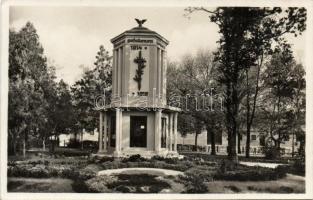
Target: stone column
[(117, 131), (100, 132), (170, 131), (157, 130), (115, 72), (164, 79), (166, 133), (105, 132), (158, 74), (175, 131), (121, 129), (109, 131), (119, 75)]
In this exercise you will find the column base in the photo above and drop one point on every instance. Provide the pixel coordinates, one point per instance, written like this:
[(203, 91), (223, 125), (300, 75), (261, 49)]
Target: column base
[(172, 154), (102, 152), (117, 153)]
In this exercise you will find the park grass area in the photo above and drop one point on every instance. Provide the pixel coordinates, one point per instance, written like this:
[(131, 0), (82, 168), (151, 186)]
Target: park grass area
[(40, 185), (200, 175), (289, 184)]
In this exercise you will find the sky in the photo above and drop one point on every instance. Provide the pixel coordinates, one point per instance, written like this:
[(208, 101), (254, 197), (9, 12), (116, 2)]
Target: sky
[(71, 36)]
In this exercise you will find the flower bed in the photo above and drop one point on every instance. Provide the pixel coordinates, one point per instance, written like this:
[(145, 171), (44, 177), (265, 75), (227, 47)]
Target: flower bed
[(197, 171)]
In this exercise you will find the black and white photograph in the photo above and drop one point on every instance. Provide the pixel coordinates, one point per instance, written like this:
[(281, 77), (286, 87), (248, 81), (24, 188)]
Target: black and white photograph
[(197, 100)]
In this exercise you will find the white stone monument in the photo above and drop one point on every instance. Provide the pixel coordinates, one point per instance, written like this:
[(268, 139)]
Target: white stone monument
[(138, 120)]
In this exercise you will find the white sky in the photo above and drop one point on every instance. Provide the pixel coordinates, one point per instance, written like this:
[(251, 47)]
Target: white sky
[(71, 36)]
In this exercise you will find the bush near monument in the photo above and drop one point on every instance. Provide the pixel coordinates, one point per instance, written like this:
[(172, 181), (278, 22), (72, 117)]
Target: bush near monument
[(198, 172)]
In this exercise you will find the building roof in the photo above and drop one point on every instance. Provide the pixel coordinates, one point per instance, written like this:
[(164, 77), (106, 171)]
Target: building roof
[(139, 31)]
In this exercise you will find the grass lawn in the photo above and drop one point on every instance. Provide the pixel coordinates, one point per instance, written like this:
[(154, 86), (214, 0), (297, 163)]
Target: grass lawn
[(289, 184), (61, 185)]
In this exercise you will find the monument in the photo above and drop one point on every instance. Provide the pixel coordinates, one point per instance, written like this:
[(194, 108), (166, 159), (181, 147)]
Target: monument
[(138, 119)]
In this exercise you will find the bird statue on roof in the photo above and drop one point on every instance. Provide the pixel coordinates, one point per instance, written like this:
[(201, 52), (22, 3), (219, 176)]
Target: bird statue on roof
[(140, 22)]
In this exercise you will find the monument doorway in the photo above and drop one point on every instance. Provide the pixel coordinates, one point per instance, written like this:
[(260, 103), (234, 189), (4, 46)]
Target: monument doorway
[(138, 131)]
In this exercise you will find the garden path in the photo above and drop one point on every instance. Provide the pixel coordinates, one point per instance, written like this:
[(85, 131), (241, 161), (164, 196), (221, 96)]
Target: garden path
[(268, 165)]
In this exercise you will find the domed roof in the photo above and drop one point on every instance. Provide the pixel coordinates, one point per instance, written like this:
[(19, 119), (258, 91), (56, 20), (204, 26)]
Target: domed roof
[(139, 31)]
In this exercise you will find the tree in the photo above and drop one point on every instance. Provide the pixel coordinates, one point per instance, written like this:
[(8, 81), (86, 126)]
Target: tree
[(194, 81), (27, 70), (95, 82), (38, 106), (234, 58), (298, 74), (271, 28), (282, 86), (61, 119), (245, 34)]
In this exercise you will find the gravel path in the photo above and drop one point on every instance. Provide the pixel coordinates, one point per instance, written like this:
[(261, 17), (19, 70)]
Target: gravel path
[(268, 165)]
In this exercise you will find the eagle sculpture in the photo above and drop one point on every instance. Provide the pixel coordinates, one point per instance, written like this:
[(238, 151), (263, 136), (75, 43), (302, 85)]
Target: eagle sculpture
[(140, 22)]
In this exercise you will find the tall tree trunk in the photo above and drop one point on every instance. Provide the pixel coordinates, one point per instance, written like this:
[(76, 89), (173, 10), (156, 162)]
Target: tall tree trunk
[(213, 150), (232, 155), (238, 141), (196, 141), (279, 131), (24, 144), (250, 116), (75, 137), (52, 145), (293, 145), (43, 144), (14, 148), (82, 139), (248, 142), (11, 143)]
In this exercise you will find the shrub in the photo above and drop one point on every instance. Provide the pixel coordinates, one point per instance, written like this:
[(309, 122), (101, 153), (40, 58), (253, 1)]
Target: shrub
[(271, 152), (233, 188), (244, 173), (107, 158), (167, 160), (98, 159), (201, 173), (138, 181), (67, 152), (297, 168), (126, 183), (134, 158), (99, 183), (86, 174), (80, 186), (19, 171), (42, 171), (227, 165), (193, 183)]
